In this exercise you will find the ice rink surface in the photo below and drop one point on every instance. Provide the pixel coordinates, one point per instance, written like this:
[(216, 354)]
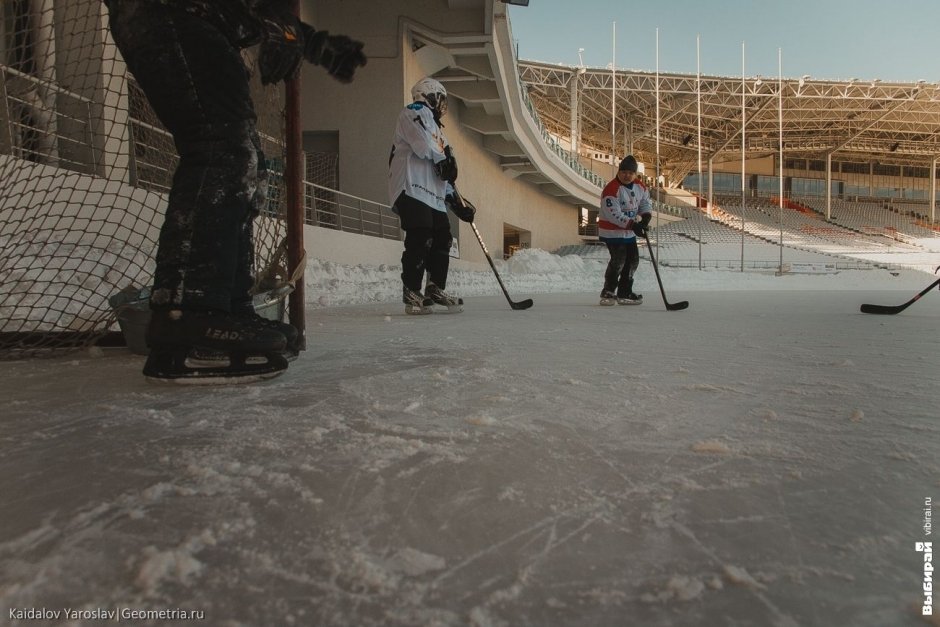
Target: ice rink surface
[(762, 458)]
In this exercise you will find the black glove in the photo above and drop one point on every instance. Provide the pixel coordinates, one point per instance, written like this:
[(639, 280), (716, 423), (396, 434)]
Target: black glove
[(447, 169), (282, 47), (641, 227), (463, 210), (337, 54)]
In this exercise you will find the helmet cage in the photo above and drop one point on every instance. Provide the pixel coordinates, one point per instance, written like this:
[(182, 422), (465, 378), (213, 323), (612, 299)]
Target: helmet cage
[(433, 94), (437, 102)]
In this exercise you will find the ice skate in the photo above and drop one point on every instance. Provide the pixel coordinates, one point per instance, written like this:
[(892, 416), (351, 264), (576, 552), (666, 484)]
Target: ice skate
[(630, 299), (415, 303), (608, 298), (440, 297), (294, 342), (291, 349), (243, 350)]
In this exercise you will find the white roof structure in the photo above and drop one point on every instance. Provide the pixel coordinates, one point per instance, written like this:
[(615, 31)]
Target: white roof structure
[(890, 123)]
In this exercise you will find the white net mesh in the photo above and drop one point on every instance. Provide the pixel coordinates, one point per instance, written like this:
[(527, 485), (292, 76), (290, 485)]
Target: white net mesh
[(85, 167)]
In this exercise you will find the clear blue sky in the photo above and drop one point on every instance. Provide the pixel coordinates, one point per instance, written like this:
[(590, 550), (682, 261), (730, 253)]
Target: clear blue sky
[(829, 39)]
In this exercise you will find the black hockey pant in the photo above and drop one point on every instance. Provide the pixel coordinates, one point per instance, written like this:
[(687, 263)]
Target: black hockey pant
[(624, 260), (427, 243), (197, 84)]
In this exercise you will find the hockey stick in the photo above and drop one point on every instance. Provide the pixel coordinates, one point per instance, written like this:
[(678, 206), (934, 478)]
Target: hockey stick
[(522, 304), (896, 309), (669, 306)]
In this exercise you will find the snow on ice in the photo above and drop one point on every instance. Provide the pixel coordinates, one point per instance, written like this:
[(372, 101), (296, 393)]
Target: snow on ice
[(761, 458)]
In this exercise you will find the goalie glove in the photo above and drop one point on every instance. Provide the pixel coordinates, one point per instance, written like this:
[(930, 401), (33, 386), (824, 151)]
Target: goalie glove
[(337, 54), (282, 46)]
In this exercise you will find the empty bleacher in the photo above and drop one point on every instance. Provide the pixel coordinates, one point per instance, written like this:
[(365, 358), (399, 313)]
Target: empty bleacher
[(808, 238)]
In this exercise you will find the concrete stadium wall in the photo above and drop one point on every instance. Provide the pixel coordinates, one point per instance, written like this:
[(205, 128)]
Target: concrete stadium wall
[(350, 248), (365, 112)]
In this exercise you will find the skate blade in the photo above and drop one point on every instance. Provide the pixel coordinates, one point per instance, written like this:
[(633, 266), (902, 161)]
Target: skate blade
[(607, 302), (413, 310), (181, 368), (450, 309), (630, 302), (204, 358)]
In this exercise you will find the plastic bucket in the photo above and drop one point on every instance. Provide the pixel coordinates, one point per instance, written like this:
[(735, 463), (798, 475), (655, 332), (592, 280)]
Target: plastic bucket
[(132, 307), (272, 305)]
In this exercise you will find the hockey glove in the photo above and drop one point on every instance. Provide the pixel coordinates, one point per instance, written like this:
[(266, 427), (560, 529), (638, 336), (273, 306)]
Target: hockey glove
[(641, 227), (463, 210), (447, 169), (282, 46), (337, 54)]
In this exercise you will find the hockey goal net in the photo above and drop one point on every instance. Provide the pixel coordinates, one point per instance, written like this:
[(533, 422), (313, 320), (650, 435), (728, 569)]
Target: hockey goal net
[(85, 167)]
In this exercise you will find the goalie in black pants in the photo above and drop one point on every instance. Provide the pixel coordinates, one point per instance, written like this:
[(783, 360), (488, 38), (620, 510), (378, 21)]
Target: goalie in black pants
[(185, 55)]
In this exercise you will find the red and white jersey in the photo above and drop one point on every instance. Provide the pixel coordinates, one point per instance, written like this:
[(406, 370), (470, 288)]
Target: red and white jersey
[(621, 205), (419, 144)]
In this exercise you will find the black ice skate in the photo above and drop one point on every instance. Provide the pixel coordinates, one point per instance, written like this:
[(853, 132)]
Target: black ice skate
[(291, 349), (608, 298), (630, 299), (440, 297), (250, 351), (415, 303)]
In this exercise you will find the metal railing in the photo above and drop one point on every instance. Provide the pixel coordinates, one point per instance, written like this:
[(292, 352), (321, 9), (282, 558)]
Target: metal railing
[(571, 160), (42, 133), (771, 266), (153, 156), (566, 156), (332, 209)]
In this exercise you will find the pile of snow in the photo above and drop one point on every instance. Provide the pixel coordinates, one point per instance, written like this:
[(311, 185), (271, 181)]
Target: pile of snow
[(534, 271)]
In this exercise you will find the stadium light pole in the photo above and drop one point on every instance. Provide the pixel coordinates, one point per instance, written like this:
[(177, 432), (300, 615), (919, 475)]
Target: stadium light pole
[(780, 165), (659, 191), (743, 148), (613, 97), (933, 190), (698, 96)]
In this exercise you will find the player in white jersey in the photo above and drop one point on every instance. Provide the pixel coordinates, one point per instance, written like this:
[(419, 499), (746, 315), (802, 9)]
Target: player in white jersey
[(625, 212), (422, 170)]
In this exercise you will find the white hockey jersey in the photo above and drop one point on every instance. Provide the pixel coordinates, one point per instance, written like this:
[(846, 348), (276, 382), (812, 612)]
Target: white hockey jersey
[(620, 207), (419, 144)]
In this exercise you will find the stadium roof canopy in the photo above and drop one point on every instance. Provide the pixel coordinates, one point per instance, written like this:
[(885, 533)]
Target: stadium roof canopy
[(891, 123)]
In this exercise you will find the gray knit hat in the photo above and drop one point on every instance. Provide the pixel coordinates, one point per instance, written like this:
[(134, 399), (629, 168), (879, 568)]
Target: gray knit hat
[(629, 163)]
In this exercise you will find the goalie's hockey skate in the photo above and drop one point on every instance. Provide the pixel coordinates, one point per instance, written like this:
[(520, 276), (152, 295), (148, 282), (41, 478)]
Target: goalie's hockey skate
[(246, 350), (292, 348)]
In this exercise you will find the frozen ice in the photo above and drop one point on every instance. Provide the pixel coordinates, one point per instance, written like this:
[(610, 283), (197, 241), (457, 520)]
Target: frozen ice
[(762, 458)]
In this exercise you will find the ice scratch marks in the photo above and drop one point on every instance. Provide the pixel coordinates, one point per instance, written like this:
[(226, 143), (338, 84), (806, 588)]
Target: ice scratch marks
[(708, 387), (711, 446)]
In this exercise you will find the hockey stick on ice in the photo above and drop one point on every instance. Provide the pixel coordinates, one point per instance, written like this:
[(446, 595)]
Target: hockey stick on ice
[(896, 309), (669, 306), (522, 304)]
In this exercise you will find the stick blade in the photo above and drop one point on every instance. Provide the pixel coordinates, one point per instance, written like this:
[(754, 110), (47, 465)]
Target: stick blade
[(881, 309), (677, 306), (522, 304)]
